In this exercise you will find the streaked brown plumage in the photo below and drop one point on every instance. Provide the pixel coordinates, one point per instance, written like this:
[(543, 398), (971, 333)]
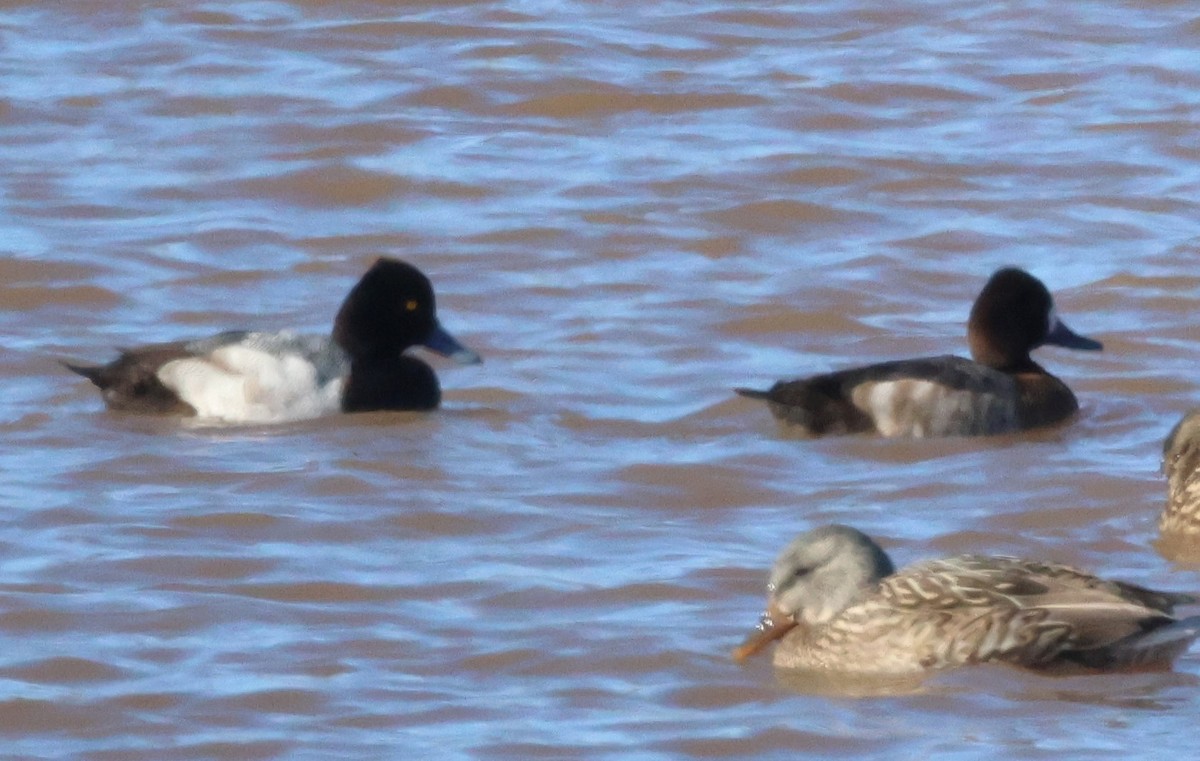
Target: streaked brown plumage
[(836, 603), (1181, 465)]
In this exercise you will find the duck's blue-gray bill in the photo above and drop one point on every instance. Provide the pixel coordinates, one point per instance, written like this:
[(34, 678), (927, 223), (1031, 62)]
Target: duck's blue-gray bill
[(1061, 335), (440, 341)]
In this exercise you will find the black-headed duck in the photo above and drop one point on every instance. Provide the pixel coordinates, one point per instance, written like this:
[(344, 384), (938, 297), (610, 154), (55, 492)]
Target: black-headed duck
[(241, 376)]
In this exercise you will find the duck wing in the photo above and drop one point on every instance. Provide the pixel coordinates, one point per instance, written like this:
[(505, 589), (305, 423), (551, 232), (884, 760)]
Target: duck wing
[(1037, 614), (931, 396)]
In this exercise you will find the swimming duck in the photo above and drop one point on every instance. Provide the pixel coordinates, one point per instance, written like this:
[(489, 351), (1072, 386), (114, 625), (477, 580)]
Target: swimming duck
[(242, 376), (1001, 390), (1181, 464), (836, 603)]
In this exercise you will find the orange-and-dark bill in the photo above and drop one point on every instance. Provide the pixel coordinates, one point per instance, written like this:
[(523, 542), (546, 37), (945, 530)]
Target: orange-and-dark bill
[(773, 625)]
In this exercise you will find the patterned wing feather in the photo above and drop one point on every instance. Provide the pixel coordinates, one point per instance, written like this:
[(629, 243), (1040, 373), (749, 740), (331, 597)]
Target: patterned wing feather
[(1026, 612)]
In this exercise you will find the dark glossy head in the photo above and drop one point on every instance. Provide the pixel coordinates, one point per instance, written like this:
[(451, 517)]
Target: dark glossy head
[(1013, 315), (391, 308)]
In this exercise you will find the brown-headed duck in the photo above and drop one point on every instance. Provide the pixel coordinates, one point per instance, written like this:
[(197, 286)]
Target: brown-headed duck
[(1000, 390)]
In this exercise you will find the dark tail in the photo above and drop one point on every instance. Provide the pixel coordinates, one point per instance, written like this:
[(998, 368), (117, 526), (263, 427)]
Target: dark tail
[(751, 393), (1155, 649), (93, 373)]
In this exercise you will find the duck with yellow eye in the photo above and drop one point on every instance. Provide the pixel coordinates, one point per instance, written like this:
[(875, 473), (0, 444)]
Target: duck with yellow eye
[(262, 377)]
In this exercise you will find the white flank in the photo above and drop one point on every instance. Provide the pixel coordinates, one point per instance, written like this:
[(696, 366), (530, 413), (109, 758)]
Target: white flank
[(911, 407), (891, 405), (238, 384)]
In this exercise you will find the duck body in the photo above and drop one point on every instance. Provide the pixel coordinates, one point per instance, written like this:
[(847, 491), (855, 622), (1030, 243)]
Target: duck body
[(1000, 390), (836, 603), (931, 396), (262, 377), (1181, 465)]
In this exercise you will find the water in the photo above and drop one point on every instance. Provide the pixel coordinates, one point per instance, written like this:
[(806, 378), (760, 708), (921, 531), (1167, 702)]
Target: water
[(628, 210)]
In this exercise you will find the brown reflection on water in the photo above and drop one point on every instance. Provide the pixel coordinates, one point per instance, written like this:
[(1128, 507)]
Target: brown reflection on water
[(629, 212)]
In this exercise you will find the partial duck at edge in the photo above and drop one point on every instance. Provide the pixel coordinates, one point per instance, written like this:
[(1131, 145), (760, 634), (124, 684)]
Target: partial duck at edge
[(1181, 465)]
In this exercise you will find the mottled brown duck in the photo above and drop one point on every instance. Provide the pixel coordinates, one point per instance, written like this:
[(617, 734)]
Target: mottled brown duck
[(837, 603), (1181, 464)]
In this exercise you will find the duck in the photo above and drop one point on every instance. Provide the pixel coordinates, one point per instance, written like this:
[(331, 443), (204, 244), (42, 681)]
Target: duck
[(263, 377), (999, 390), (837, 604), (1181, 465)]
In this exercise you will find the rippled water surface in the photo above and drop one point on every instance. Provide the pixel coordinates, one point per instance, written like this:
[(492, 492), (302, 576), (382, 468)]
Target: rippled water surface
[(628, 209)]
